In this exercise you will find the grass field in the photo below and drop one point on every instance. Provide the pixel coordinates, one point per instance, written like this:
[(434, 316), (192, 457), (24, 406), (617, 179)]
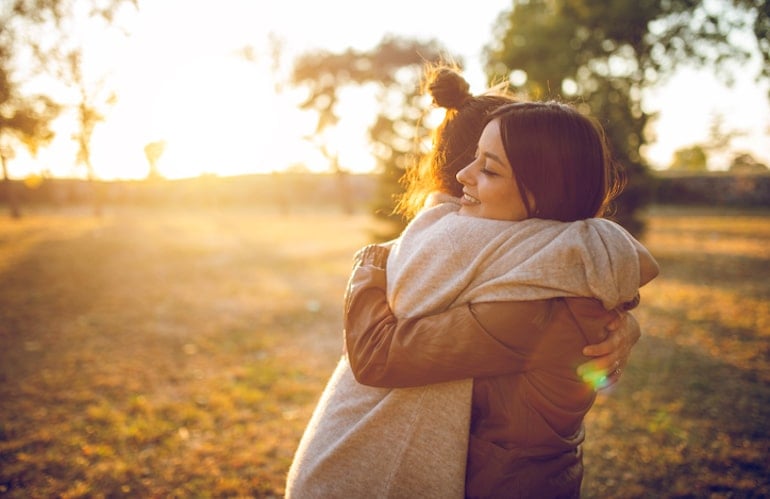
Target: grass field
[(180, 353)]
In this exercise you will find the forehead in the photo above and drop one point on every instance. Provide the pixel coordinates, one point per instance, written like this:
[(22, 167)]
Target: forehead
[(491, 130), (491, 134), (491, 143)]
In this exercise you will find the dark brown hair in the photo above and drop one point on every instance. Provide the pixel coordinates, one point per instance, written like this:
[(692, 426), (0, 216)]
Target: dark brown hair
[(560, 158), (454, 141)]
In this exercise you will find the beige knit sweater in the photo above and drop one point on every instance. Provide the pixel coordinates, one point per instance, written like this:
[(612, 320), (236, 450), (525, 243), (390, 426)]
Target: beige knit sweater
[(364, 441)]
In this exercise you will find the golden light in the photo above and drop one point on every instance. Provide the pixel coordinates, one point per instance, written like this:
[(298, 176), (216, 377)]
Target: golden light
[(217, 115), (180, 78), (216, 118)]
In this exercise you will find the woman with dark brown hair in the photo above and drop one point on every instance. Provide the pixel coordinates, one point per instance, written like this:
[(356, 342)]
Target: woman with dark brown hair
[(413, 442)]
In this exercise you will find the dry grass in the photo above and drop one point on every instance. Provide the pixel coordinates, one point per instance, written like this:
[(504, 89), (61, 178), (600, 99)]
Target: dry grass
[(179, 353), (691, 415)]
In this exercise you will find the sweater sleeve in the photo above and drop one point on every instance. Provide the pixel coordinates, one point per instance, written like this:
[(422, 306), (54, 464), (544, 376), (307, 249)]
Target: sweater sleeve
[(466, 341)]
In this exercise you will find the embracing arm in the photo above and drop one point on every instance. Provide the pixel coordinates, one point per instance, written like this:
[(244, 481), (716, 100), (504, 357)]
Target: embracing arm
[(466, 341), (455, 344)]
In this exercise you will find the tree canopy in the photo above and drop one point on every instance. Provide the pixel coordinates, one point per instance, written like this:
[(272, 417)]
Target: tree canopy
[(393, 70), (746, 163), (35, 38), (31, 37), (689, 159), (603, 54)]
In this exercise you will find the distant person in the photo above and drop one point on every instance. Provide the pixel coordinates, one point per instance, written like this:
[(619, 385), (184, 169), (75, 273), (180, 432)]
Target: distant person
[(417, 438)]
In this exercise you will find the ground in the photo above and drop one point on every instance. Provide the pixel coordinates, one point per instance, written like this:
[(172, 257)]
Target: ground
[(174, 352)]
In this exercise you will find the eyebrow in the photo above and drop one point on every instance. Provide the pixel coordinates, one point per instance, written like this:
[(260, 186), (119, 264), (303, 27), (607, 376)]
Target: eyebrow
[(494, 157)]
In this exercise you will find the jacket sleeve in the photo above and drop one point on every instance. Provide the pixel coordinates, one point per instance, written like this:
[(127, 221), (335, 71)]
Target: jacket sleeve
[(468, 341)]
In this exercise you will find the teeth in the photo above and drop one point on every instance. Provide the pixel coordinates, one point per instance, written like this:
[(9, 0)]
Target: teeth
[(470, 198)]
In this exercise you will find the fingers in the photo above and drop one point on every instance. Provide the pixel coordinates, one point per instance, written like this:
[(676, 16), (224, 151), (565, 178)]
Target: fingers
[(617, 322), (611, 355), (608, 346)]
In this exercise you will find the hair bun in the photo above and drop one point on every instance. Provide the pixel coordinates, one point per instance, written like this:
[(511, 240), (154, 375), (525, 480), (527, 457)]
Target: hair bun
[(448, 88)]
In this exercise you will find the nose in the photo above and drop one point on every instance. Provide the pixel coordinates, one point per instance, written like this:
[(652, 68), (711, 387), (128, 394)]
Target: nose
[(464, 176)]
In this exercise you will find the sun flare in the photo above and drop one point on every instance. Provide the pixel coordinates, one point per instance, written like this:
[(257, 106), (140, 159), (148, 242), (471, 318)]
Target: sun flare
[(181, 77), (212, 116), (217, 116)]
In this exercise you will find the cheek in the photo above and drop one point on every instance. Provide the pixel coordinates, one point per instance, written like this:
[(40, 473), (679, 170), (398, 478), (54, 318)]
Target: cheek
[(514, 203)]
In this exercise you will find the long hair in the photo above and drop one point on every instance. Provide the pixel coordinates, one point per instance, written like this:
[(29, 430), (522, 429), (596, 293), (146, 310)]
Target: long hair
[(560, 158)]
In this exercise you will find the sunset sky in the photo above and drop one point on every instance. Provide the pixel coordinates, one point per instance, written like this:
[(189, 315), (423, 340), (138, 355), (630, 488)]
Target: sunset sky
[(179, 78)]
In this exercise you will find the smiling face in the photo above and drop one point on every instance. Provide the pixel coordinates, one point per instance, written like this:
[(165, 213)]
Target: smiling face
[(489, 184)]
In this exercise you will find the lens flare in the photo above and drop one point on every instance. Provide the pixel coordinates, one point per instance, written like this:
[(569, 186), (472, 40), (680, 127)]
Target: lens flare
[(596, 378)]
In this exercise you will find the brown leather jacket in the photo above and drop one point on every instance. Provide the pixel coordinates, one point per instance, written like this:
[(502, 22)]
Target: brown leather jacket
[(528, 402)]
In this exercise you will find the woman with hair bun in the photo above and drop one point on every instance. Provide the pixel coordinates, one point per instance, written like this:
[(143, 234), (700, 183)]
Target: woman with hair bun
[(427, 342)]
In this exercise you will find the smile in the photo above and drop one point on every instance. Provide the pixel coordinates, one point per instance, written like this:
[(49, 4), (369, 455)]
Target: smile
[(468, 199)]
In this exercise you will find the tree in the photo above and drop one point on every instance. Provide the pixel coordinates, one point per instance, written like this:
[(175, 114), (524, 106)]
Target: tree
[(25, 119), (719, 138), (36, 37), (92, 99), (689, 159), (603, 55), (392, 71), (746, 163), (93, 96)]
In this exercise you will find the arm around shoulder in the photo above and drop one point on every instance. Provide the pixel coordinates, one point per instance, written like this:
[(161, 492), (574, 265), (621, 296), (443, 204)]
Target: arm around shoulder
[(462, 342)]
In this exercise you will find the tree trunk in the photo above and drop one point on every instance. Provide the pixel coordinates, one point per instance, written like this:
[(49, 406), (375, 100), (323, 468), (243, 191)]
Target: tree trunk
[(10, 191), (95, 188)]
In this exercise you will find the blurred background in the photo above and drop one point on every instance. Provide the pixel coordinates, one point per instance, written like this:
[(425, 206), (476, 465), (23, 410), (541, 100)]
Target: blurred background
[(185, 183), (123, 90)]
